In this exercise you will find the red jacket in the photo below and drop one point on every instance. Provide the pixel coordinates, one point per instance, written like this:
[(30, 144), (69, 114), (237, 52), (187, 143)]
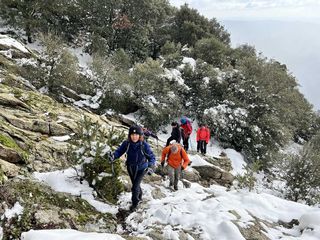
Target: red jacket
[(187, 129), (203, 134)]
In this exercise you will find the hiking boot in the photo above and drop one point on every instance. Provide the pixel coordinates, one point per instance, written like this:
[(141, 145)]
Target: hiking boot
[(175, 188), (140, 196), (133, 207)]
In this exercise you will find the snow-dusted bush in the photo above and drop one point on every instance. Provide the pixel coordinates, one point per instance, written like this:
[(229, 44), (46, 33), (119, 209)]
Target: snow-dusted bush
[(89, 150), (172, 54), (248, 179), (157, 96), (302, 173), (113, 80)]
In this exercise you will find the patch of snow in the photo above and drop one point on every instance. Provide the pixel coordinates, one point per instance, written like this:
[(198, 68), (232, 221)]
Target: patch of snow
[(16, 210), (174, 75), (190, 61), (198, 161), (85, 60), (66, 181), (292, 148), (310, 220), (237, 161), (61, 138), (67, 234), (10, 42)]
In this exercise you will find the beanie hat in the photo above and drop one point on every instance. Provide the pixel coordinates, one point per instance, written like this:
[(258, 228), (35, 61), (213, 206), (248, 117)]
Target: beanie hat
[(183, 120), (135, 129), (174, 124)]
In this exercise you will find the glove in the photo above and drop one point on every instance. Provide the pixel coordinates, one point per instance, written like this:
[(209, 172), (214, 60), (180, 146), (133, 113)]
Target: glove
[(110, 157), (162, 164), (150, 171)]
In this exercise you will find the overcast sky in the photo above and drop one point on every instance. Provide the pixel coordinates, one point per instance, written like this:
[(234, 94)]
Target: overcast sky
[(307, 10), (286, 30)]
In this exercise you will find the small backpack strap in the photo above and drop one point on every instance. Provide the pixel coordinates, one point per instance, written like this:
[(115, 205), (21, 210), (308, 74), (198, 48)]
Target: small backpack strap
[(128, 145)]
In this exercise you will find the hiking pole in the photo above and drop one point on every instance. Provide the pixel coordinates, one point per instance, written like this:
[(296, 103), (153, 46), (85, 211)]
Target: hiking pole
[(111, 160), (181, 175)]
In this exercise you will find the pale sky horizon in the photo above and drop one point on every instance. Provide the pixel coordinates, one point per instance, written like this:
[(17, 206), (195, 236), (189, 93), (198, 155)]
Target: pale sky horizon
[(291, 40), (290, 10)]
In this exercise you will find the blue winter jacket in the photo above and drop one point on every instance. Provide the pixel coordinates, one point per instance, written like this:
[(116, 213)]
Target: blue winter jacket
[(138, 153)]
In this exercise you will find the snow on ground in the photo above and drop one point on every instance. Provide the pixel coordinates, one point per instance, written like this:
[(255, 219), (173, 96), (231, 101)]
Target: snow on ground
[(213, 149), (208, 211), (85, 60), (61, 138), (66, 181), (12, 43), (237, 161), (67, 234), (17, 209)]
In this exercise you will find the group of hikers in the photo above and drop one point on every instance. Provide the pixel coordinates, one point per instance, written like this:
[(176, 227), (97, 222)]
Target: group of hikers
[(183, 132), (141, 160)]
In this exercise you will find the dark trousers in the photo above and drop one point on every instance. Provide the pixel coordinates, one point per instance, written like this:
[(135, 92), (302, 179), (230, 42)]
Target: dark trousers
[(186, 143), (136, 177), (202, 146)]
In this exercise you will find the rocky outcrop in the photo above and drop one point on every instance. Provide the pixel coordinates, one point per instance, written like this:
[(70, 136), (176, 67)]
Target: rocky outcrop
[(10, 155), (9, 169), (47, 209), (14, 48), (212, 174), (29, 125)]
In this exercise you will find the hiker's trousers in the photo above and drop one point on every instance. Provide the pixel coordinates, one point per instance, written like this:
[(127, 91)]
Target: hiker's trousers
[(136, 177), (174, 175), (202, 146)]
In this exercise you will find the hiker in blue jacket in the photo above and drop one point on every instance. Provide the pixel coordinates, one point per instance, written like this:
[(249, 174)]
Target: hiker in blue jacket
[(140, 160)]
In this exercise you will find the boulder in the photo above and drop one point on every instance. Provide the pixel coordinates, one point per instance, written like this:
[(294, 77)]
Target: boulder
[(10, 155), (210, 173), (9, 169)]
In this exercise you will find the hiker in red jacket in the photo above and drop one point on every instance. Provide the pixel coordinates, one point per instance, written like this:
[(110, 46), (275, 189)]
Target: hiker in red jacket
[(203, 137), (187, 130)]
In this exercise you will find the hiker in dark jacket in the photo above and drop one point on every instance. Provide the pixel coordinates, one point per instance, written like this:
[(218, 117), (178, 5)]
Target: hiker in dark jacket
[(140, 160), (175, 133), (148, 133)]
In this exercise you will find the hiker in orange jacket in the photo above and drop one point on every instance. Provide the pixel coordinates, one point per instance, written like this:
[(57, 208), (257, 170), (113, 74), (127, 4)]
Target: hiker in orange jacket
[(203, 137), (177, 160)]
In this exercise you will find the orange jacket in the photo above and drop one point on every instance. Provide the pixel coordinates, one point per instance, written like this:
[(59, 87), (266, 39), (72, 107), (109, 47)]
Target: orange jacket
[(175, 159), (203, 133)]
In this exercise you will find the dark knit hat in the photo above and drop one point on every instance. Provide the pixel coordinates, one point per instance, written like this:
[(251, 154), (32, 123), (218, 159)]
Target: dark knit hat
[(135, 129), (174, 124)]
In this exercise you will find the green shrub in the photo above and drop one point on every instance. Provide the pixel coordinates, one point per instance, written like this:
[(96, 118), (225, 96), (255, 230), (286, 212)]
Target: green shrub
[(89, 150), (248, 180), (212, 51), (302, 173)]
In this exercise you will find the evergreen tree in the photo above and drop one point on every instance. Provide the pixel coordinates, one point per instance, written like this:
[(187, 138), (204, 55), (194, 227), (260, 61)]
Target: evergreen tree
[(189, 26)]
